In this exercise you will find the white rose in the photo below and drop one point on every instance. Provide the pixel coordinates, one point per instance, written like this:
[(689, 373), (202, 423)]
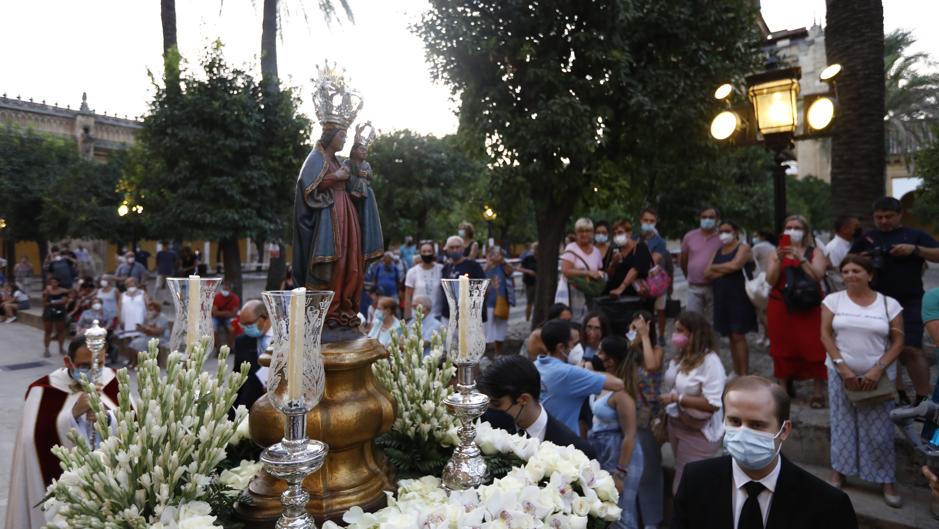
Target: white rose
[(578, 522), (580, 506)]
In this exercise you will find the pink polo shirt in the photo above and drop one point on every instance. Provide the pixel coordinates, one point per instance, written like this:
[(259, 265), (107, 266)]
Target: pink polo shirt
[(700, 248)]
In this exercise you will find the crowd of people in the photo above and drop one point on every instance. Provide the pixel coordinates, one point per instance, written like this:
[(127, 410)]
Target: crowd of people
[(602, 374)]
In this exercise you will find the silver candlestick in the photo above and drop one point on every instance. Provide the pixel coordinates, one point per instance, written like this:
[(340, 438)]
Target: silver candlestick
[(467, 468), (295, 385), (466, 343), (293, 459)]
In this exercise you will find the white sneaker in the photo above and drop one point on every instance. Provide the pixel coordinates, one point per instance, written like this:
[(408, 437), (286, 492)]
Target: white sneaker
[(11, 320)]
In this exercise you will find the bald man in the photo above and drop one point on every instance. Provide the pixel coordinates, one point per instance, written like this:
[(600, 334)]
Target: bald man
[(248, 347)]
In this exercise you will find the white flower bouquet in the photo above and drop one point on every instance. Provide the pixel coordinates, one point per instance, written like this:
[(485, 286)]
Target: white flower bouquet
[(558, 488), (159, 465), (422, 437)]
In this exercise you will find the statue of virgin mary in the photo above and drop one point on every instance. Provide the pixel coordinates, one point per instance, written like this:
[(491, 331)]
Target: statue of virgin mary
[(333, 240)]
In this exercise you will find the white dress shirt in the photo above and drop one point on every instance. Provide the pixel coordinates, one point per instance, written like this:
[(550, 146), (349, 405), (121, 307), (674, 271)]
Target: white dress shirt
[(765, 498), (539, 427)]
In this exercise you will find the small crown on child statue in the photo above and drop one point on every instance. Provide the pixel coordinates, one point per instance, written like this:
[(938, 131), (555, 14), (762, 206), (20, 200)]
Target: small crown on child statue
[(336, 103), (364, 139)]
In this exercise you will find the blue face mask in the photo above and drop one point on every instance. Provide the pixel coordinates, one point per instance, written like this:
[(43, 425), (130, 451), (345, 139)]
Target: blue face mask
[(455, 256), (79, 371), (601, 238), (252, 330), (647, 227), (631, 335), (751, 449), (708, 224)]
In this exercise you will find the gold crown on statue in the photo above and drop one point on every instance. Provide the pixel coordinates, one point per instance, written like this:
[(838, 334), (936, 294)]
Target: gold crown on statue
[(364, 139), (335, 101)]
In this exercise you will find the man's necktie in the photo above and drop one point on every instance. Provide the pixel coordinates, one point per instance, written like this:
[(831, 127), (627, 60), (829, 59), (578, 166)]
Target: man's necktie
[(751, 517)]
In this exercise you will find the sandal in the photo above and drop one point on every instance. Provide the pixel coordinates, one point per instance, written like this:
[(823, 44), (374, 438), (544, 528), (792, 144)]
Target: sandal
[(817, 403)]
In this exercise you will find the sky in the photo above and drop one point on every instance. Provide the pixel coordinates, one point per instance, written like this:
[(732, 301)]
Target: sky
[(56, 49)]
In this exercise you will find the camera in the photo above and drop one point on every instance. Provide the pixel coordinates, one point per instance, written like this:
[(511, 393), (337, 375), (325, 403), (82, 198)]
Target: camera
[(878, 255)]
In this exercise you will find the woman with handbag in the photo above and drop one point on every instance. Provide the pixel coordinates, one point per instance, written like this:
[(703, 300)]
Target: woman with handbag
[(691, 393), (581, 270), (794, 310), (500, 297), (734, 315), (863, 333), (54, 299)]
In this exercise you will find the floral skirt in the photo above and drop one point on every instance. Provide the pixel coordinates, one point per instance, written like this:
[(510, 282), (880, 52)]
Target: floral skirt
[(607, 445)]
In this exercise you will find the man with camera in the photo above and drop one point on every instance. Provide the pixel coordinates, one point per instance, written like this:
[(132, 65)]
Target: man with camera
[(898, 255)]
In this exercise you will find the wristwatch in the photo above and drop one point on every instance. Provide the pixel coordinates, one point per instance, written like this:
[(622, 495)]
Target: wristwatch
[(880, 363), (837, 361)]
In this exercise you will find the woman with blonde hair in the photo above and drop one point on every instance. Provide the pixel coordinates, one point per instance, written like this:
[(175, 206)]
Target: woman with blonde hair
[(614, 431), (470, 244), (580, 262), (794, 311), (691, 393)]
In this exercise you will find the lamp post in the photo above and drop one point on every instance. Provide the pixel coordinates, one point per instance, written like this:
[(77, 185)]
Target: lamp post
[(122, 211), (773, 97), (490, 216)]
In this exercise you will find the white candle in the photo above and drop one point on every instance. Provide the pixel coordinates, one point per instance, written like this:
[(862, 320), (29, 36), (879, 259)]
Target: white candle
[(195, 302), (464, 315), (295, 343)]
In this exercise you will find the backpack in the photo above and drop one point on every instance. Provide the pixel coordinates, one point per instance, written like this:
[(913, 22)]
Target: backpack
[(801, 292)]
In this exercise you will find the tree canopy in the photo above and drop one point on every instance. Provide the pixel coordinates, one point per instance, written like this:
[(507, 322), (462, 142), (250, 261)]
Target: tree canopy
[(568, 96), (218, 160)]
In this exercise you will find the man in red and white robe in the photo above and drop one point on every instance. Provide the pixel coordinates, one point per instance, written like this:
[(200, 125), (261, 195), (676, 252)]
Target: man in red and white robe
[(55, 404)]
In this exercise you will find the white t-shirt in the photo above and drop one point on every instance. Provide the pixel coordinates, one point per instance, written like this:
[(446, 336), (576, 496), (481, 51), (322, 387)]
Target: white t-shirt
[(424, 282), (862, 333), (836, 250), (706, 380)]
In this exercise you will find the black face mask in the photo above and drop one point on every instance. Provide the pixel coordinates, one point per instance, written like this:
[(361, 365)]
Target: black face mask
[(427, 258)]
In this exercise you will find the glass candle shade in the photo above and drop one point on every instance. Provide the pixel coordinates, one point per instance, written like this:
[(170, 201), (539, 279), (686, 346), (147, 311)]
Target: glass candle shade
[(466, 339), (193, 298), (296, 379)]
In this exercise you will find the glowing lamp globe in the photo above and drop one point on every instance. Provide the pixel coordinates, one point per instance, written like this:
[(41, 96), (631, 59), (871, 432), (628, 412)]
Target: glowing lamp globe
[(820, 113), (724, 125)]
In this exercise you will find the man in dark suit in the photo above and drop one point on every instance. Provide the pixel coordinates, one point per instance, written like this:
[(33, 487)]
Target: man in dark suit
[(256, 323), (756, 487), (513, 386)]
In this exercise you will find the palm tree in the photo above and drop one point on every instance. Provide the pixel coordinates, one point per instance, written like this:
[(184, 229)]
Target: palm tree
[(855, 38), (911, 98), (170, 48)]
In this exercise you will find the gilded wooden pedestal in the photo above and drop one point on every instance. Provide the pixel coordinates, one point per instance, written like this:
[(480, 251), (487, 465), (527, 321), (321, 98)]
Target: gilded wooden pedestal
[(354, 410)]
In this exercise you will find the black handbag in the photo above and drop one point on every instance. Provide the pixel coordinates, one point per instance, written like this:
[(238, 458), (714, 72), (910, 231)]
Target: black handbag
[(801, 292)]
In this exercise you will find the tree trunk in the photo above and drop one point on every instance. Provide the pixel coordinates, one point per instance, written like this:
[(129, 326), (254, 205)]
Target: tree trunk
[(9, 252), (231, 257), (551, 220), (854, 38), (43, 247), (170, 51), (269, 46)]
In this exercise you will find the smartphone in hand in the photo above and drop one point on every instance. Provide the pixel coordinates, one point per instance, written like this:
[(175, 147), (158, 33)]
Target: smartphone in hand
[(785, 241)]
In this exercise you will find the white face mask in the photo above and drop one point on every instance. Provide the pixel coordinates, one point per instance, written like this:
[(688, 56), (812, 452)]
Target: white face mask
[(96, 307), (726, 237), (795, 235), (620, 240), (130, 260), (131, 290), (104, 284)]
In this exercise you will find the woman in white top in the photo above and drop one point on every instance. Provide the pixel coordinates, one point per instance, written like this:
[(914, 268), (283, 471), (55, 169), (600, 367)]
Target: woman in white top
[(133, 308), (863, 333), (579, 259), (422, 279), (691, 392)]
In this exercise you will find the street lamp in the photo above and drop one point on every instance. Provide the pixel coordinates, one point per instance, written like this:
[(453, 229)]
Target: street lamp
[(3, 223), (490, 216), (773, 97)]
